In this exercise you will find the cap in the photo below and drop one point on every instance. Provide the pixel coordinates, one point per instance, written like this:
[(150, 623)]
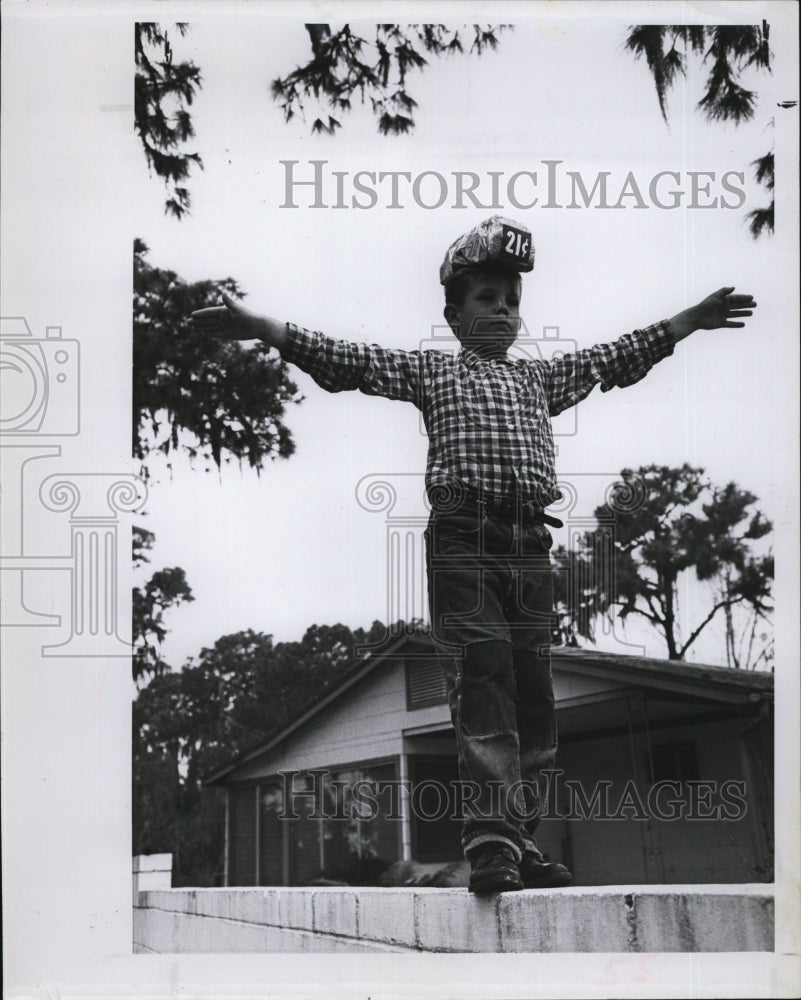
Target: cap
[(497, 241)]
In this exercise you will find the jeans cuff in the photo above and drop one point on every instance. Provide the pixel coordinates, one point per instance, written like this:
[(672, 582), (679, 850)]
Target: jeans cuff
[(491, 838), (529, 847)]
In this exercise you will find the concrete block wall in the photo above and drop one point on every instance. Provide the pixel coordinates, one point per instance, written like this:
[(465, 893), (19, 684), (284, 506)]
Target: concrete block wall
[(334, 919), (151, 871)]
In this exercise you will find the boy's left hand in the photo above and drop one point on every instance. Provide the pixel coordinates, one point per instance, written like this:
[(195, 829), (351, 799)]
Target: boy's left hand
[(723, 309), (720, 310)]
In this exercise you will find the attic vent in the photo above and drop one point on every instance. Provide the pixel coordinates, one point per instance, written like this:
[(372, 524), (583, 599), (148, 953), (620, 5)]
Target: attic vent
[(425, 684)]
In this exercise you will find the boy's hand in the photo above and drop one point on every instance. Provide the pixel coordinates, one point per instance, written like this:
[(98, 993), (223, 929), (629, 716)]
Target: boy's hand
[(234, 322), (720, 310), (231, 321)]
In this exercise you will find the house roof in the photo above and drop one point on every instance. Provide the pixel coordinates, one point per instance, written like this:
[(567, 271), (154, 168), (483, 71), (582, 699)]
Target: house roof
[(702, 680), (649, 671)]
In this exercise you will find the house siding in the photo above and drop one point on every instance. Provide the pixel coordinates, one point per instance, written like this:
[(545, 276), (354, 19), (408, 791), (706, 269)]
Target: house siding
[(365, 724)]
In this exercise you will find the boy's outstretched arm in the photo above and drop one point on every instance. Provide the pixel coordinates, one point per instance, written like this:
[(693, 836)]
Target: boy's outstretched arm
[(234, 322), (335, 365), (720, 310), (625, 361)]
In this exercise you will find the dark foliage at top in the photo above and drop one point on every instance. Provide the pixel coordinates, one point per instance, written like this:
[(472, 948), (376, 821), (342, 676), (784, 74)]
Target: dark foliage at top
[(345, 67), (729, 51), (163, 92)]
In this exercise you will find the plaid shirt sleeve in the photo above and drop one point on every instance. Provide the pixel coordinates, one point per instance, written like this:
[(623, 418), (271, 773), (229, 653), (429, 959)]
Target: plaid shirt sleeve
[(620, 363), (337, 365)]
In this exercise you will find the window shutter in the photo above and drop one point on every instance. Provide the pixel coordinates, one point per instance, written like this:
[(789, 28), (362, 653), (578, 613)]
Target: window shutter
[(425, 684)]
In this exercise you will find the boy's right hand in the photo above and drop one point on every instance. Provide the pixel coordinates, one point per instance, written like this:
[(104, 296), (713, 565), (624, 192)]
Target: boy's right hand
[(231, 321)]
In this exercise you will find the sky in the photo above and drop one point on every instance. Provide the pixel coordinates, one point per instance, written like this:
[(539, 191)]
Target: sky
[(293, 547)]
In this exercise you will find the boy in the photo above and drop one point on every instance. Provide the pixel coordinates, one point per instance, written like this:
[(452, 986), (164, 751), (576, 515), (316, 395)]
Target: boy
[(490, 474)]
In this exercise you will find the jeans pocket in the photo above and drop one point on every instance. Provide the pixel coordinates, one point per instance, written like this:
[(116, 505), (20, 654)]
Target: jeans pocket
[(458, 530)]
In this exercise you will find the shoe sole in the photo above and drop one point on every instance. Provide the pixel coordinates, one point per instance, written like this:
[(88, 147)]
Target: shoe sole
[(495, 883), (550, 882)]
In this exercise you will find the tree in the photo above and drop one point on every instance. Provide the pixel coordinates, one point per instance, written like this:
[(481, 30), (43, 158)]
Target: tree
[(189, 723), (166, 589), (345, 65), (218, 400), (163, 91), (730, 51), (657, 524), (342, 66)]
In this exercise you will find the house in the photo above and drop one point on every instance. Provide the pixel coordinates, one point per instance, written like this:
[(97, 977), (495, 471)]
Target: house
[(664, 775)]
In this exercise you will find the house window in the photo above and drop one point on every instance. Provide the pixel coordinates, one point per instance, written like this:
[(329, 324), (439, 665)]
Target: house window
[(425, 684), (360, 837), (436, 813), (673, 762), (348, 834)]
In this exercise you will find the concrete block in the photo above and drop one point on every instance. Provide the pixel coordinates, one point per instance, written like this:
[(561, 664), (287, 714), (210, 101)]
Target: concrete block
[(309, 942), (295, 908), (456, 920), (284, 940), (151, 871), (387, 915), (661, 922), (144, 881), (619, 919), (554, 920), (255, 906), (141, 926), (141, 949), (175, 900), (216, 902), (213, 935), (191, 936), (152, 863), (704, 920), (157, 931), (258, 906), (334, 911), (354, 945), (723, 923)]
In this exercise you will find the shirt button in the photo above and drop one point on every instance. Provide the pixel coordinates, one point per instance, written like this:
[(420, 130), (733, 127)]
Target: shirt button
[(511, 425)]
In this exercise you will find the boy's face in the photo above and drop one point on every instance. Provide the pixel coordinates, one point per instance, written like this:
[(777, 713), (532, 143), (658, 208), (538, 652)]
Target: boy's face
[(489, 316)]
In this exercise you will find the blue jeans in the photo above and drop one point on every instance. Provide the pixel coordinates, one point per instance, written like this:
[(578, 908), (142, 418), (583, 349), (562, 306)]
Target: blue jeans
[(490, 590)]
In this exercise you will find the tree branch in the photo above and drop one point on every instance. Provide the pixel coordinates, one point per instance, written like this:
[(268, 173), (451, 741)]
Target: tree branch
[(707, 620)]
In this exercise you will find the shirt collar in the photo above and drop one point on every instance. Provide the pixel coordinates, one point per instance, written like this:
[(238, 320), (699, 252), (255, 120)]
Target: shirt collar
[(473, 354)]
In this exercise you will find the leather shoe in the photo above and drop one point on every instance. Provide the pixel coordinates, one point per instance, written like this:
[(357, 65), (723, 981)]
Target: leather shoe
[(494, 869), (537, 873)]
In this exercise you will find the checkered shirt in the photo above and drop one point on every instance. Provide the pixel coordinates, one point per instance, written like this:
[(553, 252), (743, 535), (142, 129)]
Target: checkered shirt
[(487, 419)]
